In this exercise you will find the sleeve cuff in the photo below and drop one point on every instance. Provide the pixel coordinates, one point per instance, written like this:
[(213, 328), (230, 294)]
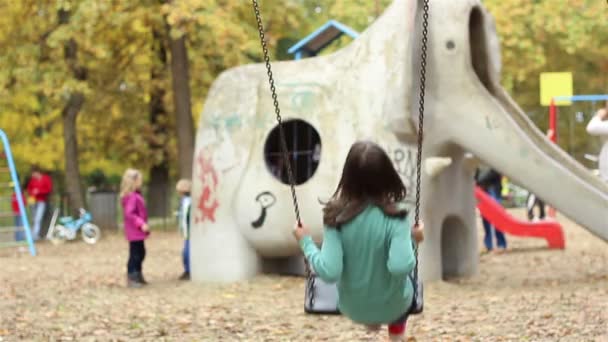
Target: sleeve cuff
[(305, 241)]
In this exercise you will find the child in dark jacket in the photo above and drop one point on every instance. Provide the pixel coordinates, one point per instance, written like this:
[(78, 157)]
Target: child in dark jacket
[(490, 181)]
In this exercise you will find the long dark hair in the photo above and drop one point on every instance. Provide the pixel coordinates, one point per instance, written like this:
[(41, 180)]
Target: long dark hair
[(368, 177)]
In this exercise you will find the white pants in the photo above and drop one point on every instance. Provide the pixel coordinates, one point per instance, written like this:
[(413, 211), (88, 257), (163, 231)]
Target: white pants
[(38, 213)]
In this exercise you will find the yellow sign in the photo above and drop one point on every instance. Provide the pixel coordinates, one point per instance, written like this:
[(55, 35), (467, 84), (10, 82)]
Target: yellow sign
[(553, 84)]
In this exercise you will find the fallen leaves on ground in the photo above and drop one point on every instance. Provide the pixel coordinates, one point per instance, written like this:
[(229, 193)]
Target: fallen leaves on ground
[(76, 292)]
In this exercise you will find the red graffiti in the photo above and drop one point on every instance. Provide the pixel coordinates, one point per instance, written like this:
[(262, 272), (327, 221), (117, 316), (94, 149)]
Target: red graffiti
[(207, 202)]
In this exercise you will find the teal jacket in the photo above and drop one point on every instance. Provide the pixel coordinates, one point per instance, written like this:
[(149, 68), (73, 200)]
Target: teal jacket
[(183, 216), (370, 259)]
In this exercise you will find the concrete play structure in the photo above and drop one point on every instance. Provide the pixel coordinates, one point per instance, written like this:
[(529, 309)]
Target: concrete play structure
[(242, 213)]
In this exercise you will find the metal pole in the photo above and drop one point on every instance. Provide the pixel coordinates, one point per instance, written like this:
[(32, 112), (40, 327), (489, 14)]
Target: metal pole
[(17, 189), (553, 120)]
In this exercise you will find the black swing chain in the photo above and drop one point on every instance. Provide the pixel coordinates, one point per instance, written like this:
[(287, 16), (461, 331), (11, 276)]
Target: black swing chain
[(425, 31), (285, 152), (286, 159)]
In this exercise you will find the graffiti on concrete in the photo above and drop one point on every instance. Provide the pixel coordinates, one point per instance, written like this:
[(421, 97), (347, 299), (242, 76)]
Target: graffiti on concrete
[(208, 177), (266, 200), (404, 160)]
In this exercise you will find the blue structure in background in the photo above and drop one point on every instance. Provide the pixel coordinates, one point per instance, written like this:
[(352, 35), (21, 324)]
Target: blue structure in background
[(579, 98), (17, 189), (320, 39)]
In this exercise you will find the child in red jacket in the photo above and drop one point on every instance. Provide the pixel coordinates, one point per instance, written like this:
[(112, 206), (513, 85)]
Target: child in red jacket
[(39, 187), (19, 233)]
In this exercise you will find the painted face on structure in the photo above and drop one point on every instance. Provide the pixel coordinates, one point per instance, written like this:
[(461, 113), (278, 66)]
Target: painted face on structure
[(266, 200)]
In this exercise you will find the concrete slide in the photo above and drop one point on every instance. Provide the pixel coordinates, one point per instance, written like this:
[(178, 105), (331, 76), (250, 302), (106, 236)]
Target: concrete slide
[(492, 211), (546, 170)]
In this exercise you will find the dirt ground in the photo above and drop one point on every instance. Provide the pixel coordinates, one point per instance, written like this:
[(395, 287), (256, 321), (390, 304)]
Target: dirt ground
[(76, 292)]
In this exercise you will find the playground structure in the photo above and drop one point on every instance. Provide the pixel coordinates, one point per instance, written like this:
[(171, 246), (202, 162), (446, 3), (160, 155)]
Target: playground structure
[(492, 211), (312, 44), (368, 90), (12, 234)]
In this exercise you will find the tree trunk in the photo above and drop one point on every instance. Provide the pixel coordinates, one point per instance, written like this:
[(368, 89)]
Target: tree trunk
[(183, 110), (158, 186), (158, 191), (70, 141), (70, 116)]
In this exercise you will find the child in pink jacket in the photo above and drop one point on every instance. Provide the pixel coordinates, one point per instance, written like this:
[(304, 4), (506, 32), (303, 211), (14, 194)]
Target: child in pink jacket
[(135, 225)]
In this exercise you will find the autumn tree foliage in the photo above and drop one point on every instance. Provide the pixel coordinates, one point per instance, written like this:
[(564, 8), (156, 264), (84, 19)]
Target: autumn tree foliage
[(91, 85)]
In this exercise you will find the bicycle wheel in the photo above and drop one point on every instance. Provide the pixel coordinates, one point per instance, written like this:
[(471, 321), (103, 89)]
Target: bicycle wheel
[(90, 233)]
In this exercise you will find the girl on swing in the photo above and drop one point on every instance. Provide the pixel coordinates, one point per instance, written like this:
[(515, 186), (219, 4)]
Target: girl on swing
[(367, 242)]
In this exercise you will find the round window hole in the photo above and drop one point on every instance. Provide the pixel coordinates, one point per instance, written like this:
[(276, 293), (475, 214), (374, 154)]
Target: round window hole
[(304, 151), (450, 45)]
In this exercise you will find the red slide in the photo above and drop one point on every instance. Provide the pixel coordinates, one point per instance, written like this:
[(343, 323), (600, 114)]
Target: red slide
[(498, 216)]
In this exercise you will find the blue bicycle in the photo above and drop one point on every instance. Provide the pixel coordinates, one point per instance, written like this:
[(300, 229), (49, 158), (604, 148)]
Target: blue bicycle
[(66, 227)]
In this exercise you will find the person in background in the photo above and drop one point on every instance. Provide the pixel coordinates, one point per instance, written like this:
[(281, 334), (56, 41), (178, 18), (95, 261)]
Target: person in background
[(19, 233), (598, 126), (533, 200), (504, 182), (39, 188), (490, 181), (183, 188)]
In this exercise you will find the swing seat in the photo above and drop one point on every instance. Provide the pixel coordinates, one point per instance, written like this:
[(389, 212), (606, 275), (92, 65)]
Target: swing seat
[(320, 297)]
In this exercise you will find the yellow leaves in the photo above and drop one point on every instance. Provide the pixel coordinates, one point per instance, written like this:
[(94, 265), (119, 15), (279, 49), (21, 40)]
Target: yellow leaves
[(58, 37), (28, 148), (165, 9), (109, 166), (142, 60), (138, 26), (25, 100), (181, 13), (64, 5), (115, 111), (115, 44)]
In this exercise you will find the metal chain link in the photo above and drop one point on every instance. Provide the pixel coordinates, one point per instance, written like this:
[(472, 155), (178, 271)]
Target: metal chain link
[(286, 159), (425, 31)]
